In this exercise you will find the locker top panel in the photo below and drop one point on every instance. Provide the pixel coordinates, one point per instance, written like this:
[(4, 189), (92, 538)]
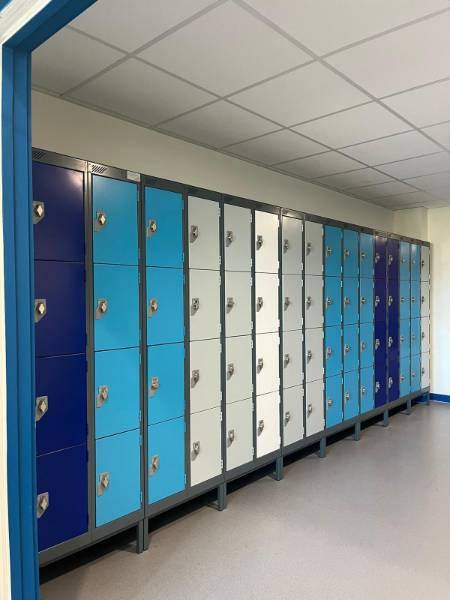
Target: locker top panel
[(313, 248), (266, 242), (203, 233)]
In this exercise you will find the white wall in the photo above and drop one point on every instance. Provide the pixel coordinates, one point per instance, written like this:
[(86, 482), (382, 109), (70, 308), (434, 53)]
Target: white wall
[(412, 222)]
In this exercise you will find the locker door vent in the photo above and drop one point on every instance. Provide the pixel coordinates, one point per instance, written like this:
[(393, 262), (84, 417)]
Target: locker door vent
[(99, 169), (38, 154)]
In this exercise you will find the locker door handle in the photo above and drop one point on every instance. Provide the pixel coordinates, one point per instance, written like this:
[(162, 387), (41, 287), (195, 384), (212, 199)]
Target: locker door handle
[(423, 299), (195, 377), (402, 299), (347, 348), (102, 397), (346, 300), (309, 355), (423, 370), (229, 238), (287, 360), (402, 338), (194, 233), (310, 409), (423, 335), (42, 504), (330, 402), (329, 251), (328, 301), (377, 344), (413, 299), (402, 378), (363, 346), (154, 386), (363, 391), (287, 417), (102, 308), (152, 227), (390, 259), (287, 302), (260, 365), (390, 300), (346, 252), (377, 257), (103, 483), (231, 437), (230, 370), (403, 259), (260, 426), (413, 374), (363, 255), (286, 246), (390, 382), (259, 303), (230, 304), (38, 211), (390, 341), (377, 387), (346, 397), (363, 300), (41, 407), (308, 302), (413, 337), (308, 248), (152, 307), (100, 220), (195, 449), (195, 305), (40, 309), (377, 301), (422, 262), (259, 242), (329, 351), (154, 464)]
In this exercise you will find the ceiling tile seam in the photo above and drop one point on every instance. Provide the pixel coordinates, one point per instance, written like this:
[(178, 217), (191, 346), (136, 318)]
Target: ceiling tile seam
[(427, 175), (402, 160), (435, 124), (94, 38), (415, 87), (331, 114)]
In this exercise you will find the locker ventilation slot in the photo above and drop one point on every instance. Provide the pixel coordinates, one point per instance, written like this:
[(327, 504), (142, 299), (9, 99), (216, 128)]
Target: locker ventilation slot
[(38, 154), (98, 169)]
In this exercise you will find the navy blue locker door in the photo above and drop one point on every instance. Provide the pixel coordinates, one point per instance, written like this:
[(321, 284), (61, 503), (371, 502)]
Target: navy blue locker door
[(333, 251), (333, 354), (380, 342), (393, 380), (60, 403), (366, 311), (351, 300), (333, 301), (380, 256), (58, 213), (351, 348), (60, 311), (62, 502), (393, 258), (380, 383), (351, 253), (393, 301), (366, 246), (380, 300), (393, 339)]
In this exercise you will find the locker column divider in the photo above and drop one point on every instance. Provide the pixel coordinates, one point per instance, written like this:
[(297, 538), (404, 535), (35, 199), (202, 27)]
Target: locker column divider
[(253, 295), (187, 337), (357, 431), (222, 489), (278, 474)]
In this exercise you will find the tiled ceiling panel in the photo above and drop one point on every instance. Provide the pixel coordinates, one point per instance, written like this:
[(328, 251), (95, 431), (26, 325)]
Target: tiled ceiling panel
[(389, 188), (320, 165), (428, 183), (440, 133), (413, 167), (425, 106), (358, 178)]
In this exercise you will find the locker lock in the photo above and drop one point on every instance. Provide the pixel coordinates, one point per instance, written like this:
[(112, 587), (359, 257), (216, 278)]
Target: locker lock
[(390, 300), (413, 374), (346, 397), (195, 377), (152, 227), (402, 378), (402, 338), (287, 417), (259, 242), (423, 370), (195, 449), (329, 351), (260, 426), (346, 300), (230, 304), (403, 259), (154, 464), (390, 382), (308, 248), (309, 409), (377, 344), (194, 233), (363, 255), (413, 337), (195, 305), (329, 251), (38, 211), (260, 365), (152, 307), (154, 386), (363, 346), (259, 303), (102, 396), (347, 348), (377, 257), (287, 302), (413, 299), (413, 261), (390, 342), (229, 238), (363, 391), (286, 246), (390, 259), (328, 301), (309, 355), (100, 220), (346, 252), (102, 308), (41, 407), (42, 504), (363, 300), (423, 334), (230, 370), (377, 300), (423, 299), (103, 483), (377, 387), (422, 262), (287, 360), (402, 299), (40, 309), (308, 301), (231, 436), (330, 402)]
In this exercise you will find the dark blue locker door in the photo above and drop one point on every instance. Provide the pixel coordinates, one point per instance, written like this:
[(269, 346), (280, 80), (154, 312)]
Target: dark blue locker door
[(366, 246), (333, 351), (333, 251), (333, 301), (393, 340), (416, 257), (380, 383), (405, 376), (393, 258), (405, 294), (393, 380), (58, 213), (405, 261), (351, 253), (393, 300), (351, 348), (164, 228), (380, 256), (380, 300), (166, 459), (166, 399), (415, 373), (415, 299), (366, 345), (62, 502), (366, 310), (333, 402), (405, 337), (380, 342), (60, 308), (61, 413), (165, 306), (351, 300), (351, 395), (415, 336), (366, 389)]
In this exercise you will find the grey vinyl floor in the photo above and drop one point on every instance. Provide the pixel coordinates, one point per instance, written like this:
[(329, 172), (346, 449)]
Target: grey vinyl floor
[(370, 521)]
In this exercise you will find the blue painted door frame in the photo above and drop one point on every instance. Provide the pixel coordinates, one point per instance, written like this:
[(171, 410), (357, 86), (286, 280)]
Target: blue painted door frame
[(19, 287)]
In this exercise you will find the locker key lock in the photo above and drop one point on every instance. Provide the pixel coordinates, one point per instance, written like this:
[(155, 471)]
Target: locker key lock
[(363, 255), (346, 252), (377, 344), (377, 387), (329, 251), (195, 305), (423, 299), (347, 348), (377, 300), (195, 378), (286, 246), (41, 407), (154, 386), (390, 382), (308, 301), (308, 248), (423, 370), (102, 396), (403, 259), (230, 304), (259, 242), (413, 374), (346, 300), (42, 504), (309, 355), (152, 307), (390, 300), (230, 437), (390, 259), (195, 449), (287, 417), (413, 337), (103, 483), (377, 257), (229, 238), (194, 233), (310, 409), (329, 351), (363, 346), (230, 370), (346, 397), (40, 309), (259, 303), (260, 426), (330, 402), (363, 300), (260, 365), (423, 334), (402, 378), (287, 360), (422, 262), (402, 299), (38, 212), (151, 227), (102, 308), (402, 338), (100, 220), (287, 302), (413, 299), (328, 301), (154, 464), (363, 391), (390, 341)]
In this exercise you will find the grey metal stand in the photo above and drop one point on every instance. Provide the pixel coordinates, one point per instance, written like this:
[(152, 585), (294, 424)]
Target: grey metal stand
[(222, 497), (357, 433), (322, 448), (142, 536), (278, 473), (408, 407), (385, 418)]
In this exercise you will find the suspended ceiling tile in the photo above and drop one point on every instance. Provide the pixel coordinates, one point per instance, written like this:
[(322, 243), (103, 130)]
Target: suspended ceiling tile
[(277, 147), (306, 93), (69, 58), (423, 165), (390, 188), (440, 133), (320, 165), (108, 19), (424, 106), (411, 198), (140, 92), (353, 126), (219, 124), (431, 182), (405, 58), (393, 148), (225, 50), (361, 177), (442, 193), (324, 26)]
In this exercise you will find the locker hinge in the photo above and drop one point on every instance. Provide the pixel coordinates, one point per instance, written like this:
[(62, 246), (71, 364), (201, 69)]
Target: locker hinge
[(140, 416), (253, 452), (220, 260), (142, 499), (221, 465), (221, 414), (140, 440), (185, 479)]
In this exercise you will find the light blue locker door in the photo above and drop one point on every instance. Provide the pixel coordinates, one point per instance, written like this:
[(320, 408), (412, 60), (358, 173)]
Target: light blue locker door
[(333, 351), (415, 262), (118, 476), (405, 337), (333, 400), (116, 307), (163, 228), (415, 336), (415, 299), (351, 300), (351, 347), (166, 459), (405, 376), (351, 253), (366, 255), (366, 389), (351, 394), (366, 345), (405, 294), (117, 391), (333, 251), (114, 216), (165, 382), (165, 307), (333, 301), (415, 373), (405, 261), (366, 310)]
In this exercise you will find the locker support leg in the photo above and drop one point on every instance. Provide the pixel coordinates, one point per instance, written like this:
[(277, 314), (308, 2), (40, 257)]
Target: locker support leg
[(408, 406), (357, 434), (222, 497), (427, 399), (385, 418), (278, 471), (322, 448), (142, 536)]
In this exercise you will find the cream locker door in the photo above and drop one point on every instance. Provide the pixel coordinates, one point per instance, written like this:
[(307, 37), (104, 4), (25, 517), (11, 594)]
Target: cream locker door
[(238, 303), (314, 354), (204, 304), (239, 433), (266, 289), (313, 301), (292, 302), (206, 445), (314, 407), (425, 334), (238, 240), (266, 242), (267, 423), (292, 358), (313, 248), (203, 233), (425, 373), (267, 363), (292, 246), (239, 362), (205, 361), (425, 264), (293, 415), (425, 299)]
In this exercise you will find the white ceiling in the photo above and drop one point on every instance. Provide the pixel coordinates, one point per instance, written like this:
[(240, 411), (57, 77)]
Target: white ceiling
[(350, 95)]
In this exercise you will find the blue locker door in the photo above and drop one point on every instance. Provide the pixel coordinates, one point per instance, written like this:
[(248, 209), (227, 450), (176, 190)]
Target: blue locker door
[(333, 351), (165, 382), (117, 391), (415, 373), (165, 306), (415, 336), (405, 338), (405, 294), (380, 383), (393, 258), (366, 255), (333, 402), (366, 311), (116, 307), (393, 380), (393, 340), (333, 301), (166, 459), (380, 300), (351, 395), (366, 345), (380, 256), (366, 389), (114, 217), (415, 262), (61, 413), (415, 299), (405, 376), (351, 348), (58, 213), (118, 476), (380, 343), (164, 228), (351, 253), (405, 261), (60, 308), (393, 301), (62, 503), (351, 300), (333, 251)]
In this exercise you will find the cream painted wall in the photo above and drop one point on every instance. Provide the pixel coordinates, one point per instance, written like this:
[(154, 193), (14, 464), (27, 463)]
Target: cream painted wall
[(412, 222)]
